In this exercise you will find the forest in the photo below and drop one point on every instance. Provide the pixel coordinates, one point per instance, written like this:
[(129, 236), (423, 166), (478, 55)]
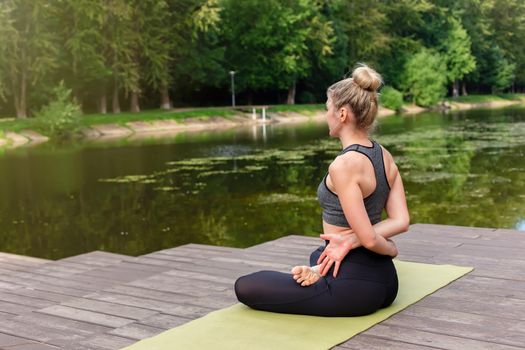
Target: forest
[(128, 55)]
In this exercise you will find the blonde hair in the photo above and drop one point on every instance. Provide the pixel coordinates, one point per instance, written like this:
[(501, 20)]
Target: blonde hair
[(360, 93)]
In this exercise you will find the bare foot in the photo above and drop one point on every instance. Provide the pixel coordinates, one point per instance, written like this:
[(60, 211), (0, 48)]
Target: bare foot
[(305, 275)]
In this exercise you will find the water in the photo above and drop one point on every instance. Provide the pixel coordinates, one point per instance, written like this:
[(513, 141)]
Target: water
[(246, 186)]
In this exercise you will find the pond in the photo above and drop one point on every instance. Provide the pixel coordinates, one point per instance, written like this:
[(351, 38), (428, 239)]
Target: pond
[(249, 185)]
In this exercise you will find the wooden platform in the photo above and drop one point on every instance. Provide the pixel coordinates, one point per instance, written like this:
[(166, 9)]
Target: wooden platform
[(102, 300)]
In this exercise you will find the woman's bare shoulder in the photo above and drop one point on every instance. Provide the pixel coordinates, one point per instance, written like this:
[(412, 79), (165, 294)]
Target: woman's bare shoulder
[(390, 165)]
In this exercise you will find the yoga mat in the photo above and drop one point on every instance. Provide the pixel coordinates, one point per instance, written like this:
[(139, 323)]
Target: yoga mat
[(240, 327)]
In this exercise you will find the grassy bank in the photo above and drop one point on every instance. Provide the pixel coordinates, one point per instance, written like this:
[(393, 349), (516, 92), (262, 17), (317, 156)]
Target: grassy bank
[(15, 125), (487, 98), (12, 124)]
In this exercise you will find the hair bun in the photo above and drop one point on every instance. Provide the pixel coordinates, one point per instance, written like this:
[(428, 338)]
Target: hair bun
[(366, 78)]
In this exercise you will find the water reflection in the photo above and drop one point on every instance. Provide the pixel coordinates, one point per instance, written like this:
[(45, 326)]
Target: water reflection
[(520, 225), (245, 186)]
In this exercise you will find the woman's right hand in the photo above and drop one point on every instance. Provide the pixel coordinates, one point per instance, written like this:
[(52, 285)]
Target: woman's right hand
[(339, 246), (394, 250)]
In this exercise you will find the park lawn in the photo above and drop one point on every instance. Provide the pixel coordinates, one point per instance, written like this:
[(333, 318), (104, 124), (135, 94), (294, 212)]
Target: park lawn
[(486, 98), (201, 113), (305, 108), (16, 125), (157, 114)]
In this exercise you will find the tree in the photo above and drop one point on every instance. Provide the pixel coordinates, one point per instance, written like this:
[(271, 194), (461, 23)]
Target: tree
[(121, 38), (507, 20), (364, 24), (503, 72), (458, 56), (151, 21), (82, 61), (425, 77), (197, 56), (29, 50), (273, 52)]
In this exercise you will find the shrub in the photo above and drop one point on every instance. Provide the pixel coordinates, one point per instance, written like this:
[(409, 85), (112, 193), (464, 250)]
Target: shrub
[(391, 98), (61, 117), (425, 77)]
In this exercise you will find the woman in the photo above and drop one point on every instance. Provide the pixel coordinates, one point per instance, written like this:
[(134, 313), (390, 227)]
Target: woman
[(354, 274)]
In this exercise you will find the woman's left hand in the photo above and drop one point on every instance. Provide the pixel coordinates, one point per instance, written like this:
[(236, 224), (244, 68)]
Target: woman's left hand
[(336, 250)]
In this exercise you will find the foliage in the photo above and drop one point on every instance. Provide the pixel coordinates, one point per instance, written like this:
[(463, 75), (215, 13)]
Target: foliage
[(503, 73), (274, 51), (457, 51), (61, 117), (391, 98), (142, 48), (425, 78)]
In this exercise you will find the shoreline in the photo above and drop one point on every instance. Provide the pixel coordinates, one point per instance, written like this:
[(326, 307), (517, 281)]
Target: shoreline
[(139, 129)]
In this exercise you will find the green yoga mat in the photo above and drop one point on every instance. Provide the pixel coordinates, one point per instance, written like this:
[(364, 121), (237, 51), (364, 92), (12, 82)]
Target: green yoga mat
[(240, 327)]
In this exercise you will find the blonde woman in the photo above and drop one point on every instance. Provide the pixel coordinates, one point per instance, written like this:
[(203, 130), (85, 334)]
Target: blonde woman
[(353, 273)]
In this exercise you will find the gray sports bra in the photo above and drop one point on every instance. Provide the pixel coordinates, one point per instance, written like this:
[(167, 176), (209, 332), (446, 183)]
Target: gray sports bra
[(374, 203)]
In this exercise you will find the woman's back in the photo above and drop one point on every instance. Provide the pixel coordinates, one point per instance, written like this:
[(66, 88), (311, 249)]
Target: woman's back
[(374, 185)]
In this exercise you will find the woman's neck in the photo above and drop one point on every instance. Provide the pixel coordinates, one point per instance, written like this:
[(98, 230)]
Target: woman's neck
[(351, 137)]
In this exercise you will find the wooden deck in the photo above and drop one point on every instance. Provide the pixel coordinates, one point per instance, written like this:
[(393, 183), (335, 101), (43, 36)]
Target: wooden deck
[(102, 300)]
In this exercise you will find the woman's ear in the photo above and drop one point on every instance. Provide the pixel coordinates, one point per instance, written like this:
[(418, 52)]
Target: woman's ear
[(343, 114)]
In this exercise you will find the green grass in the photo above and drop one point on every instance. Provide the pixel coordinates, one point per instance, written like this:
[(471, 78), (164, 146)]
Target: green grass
[(297, 108), (15, 125), (156, 114), (486, 98)]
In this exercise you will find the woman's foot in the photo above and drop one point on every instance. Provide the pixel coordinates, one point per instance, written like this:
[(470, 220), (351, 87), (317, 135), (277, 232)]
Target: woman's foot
[(306, 275)]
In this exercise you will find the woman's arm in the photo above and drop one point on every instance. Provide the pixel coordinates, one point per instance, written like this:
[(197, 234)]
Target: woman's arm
[(398, 219), (346, 182)]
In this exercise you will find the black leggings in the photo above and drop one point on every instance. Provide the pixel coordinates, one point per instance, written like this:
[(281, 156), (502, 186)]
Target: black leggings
[(365, 282)]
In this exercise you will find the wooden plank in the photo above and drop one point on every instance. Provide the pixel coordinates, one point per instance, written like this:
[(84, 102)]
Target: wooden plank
[(136, 331), (461, 324), (34, 346), (108, 308), (217, 268), (191, 252), (516, 253), (66, 291), (15, 309), (249, 259), (475, 285), (104, 341), (63, 331), (62, 324), (443, 341), (40, 294), (164, 321), (4, 285), (459, 231), (363, 341), (10, 265), (165, 289), (180, 285), (30, 260), (9, 340), (85, 316), (171, 308), (30, 279), (490, 306), (176, 263), (119, 274), (39, 333), (212, 300), (483, 268)]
